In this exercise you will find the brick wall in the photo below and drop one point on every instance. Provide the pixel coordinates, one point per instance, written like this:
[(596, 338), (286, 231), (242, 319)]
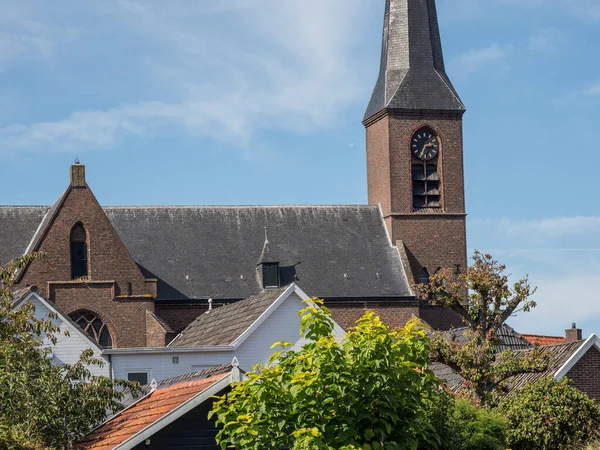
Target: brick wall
[(586, 374), (433, 237), (394, 314), (156, 335), (125, 318), (179, 316), (115, 288)]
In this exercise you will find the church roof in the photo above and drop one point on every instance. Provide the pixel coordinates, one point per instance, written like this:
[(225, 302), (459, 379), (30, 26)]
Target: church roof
[(212, 252), (412, 74)]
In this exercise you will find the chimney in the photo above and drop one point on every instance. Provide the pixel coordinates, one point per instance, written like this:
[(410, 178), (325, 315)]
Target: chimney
[(77, 174), (573, 334)]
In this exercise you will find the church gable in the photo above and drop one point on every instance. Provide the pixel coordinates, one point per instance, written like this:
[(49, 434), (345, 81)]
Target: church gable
[(87, 270), (81, 244)]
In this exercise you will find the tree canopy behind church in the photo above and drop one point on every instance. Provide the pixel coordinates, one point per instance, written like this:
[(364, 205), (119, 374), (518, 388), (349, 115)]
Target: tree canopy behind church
[(44, 405), (367, 391), (484, 298)]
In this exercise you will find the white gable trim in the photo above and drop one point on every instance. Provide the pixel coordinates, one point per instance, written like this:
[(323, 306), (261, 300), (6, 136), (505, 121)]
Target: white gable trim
[(575, 357), (66, 320), (271, 309), (178, 412), (266, 313)]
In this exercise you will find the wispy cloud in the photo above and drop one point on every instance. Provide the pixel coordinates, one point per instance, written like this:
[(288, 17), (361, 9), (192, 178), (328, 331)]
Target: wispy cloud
[(562, 300), (545, 228), (547, 40), (594, 89), (476, 59), (268, 65), (588, 10)]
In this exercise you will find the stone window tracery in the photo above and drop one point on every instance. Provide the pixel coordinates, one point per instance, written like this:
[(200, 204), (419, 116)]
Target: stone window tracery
[(96, 329)]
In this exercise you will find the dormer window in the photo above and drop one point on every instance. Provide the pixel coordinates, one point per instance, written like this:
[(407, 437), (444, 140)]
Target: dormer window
[(79, 252), (270, 275)]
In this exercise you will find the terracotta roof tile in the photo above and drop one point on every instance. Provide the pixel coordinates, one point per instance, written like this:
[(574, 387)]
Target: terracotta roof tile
[(144, 413), (538, 339)]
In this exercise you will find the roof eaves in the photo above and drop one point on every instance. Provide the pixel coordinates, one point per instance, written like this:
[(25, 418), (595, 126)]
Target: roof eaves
[(176, 413), (43, 227), (576, 356), (266, 313), (60, 315)]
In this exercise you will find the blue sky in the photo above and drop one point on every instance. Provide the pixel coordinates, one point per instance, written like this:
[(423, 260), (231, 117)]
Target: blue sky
[(261, 101)]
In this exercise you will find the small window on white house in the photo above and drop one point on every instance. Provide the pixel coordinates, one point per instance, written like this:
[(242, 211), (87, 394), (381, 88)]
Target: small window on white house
[(140, 377)]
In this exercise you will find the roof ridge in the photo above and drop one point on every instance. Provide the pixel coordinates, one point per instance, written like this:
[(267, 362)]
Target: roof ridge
[(239, 206)]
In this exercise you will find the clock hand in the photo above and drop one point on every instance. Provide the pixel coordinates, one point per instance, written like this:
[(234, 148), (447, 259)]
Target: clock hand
[(429, 144)]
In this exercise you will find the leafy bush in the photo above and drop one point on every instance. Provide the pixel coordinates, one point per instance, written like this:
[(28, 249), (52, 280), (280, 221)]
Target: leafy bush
[(552, 415), (478, 428), (464, 426), (366, 392)]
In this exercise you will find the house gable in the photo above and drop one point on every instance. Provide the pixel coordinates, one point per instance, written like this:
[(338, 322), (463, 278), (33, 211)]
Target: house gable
[(71, 341)]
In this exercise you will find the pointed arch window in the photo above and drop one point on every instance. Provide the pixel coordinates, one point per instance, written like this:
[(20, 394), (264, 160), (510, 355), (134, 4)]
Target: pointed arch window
[(79, 252), (425, 148), (95, 328)]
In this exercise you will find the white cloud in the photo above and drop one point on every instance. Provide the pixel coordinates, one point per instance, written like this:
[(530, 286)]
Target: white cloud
[(476, 59), (545, 228), (594, 89), (271, 64), (562, 300), (547, 40)]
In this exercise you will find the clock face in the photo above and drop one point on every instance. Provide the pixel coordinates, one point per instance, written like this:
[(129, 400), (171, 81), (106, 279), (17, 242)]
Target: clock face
[(425, 144)]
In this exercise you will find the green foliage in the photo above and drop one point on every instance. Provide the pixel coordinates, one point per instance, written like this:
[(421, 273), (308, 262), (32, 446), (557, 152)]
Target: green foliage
[(483, 297), (477, 428), (550, 415), (44, 405), (366, 392), (464, 426)]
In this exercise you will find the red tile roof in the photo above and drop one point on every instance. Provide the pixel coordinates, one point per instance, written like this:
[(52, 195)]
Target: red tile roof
[(544, 340), (144, 413)]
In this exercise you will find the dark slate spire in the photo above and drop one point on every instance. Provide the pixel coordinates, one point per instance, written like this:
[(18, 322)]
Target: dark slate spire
[(412, 74)]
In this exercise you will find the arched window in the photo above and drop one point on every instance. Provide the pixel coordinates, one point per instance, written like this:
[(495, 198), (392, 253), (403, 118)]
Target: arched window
[(425, 146), (423, 276), (79, 252), (94, 327)]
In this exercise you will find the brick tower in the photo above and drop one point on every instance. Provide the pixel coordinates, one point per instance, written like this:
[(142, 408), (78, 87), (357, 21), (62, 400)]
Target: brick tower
[(414, 142)]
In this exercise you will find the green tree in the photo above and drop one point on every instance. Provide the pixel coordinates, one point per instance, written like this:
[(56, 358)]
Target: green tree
[(367, 391), (550, 415), (44, 405), (483, 297)]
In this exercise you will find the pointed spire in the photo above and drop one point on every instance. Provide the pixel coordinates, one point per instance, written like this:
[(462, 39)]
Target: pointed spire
[(412, 73)]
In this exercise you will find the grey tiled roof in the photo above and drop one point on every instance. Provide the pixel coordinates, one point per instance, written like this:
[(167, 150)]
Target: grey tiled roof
[(557, 356), (223, 325), (212, 252), (18, 225), (450, 378), (412, 74), (510, 338)]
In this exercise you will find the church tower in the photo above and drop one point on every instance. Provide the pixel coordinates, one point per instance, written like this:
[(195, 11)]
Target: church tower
[(414, 142)]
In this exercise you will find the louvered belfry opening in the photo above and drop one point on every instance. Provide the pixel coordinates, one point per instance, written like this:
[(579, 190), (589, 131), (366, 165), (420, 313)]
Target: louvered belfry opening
[(79, 252)]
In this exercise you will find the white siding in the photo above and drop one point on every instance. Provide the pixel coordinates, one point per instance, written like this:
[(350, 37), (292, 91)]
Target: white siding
[(68, 349), (282, 325)]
